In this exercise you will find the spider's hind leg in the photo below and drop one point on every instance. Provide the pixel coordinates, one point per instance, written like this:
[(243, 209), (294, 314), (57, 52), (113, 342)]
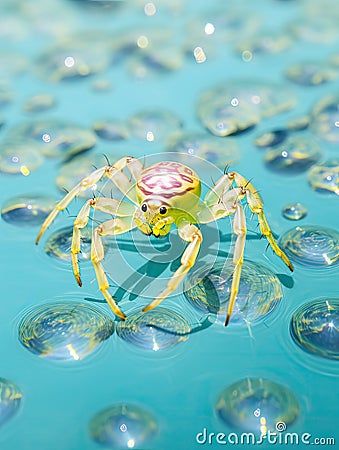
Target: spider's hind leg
[(256, 206)]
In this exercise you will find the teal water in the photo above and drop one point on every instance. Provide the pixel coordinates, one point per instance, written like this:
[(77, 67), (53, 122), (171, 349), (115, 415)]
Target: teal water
[(180, 385)]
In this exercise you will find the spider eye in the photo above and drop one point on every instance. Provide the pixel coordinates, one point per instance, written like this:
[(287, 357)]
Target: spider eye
[(144, 207), (163, 210)]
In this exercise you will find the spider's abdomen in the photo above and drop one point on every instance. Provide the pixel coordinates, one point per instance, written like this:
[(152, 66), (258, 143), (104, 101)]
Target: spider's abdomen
[(176, 184)]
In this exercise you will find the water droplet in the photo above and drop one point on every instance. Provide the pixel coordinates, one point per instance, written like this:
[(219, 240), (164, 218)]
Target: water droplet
[(219, 152), (76, 57), (154, 330), (19, 157), (59, 244), (265, 43), (255, 101), (123, 426), (294, 211), (161, 124), (55, 138), (238, 402), (315, 327), (27, 210), (64, 331), (310, 74), (259, 291), (271, 138), (39, 103), (298, 123), (293, 155), (324, 119), (111, 130), (324, 178), (10, 399), (6, 95), (311, 246)]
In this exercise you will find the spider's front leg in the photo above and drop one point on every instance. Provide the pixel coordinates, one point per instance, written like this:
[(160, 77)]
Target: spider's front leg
[(189, 233), (256, 206), (239, 228), (108, 228), (105, 205), (114, 173)]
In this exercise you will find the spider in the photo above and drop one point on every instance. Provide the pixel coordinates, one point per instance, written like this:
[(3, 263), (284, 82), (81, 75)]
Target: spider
[(161, 195)]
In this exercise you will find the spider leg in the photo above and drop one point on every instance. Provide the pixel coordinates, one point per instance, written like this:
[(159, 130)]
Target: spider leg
[(256, 206), (239, 228), (114, 173), (189, 233), (109, 228), (213, 195), (106, 205)]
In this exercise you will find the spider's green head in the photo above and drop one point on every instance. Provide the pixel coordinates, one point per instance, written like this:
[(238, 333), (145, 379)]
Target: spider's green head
[(153, 217)]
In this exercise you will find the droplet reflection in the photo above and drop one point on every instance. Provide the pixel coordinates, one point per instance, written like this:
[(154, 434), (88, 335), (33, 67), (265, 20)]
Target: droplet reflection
[(10, 399), (259, 291), (64, 331), (257, 405), (315, 327), (311, 246), (294, 211), (27, 210), (59, 244), (154, 330), (123, 426), (324, 177)]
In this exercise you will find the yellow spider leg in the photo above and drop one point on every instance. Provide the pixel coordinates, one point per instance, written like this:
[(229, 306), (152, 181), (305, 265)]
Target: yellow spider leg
[(256, 206), (190, 233), (85, 183), (239, 228), (225, 206), (213, 195), (112, 172), (106, 205), (108, 228)]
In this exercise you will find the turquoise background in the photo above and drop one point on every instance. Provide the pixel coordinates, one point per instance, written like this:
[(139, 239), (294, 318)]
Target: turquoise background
[(181, 385)]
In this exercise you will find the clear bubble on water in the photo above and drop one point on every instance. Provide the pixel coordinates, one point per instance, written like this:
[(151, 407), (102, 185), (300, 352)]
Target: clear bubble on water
[(154, 126), (324, 177), (27, 210), (111, 130), (325, 119), (265, 43), (58, 245), (235, 106), (220, 152), (55, 138), (76, 57), (10, 400), (271, 138), (295, 154), (257, 405), (19, 157), (123, 426), (64, 331), (311, 246), (294, 211), (310, 73), (156, 61), (155, 330), (315, 327), (6, 95), (39, 103), (259, 291)]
